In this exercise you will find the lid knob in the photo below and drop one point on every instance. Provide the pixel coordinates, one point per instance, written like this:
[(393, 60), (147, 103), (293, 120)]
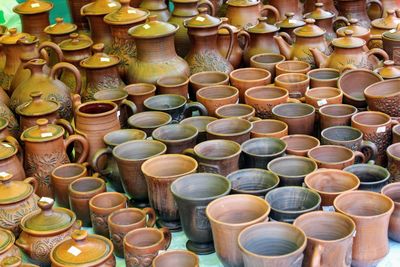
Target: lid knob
[(6, 178), (262, 19), (11, 261), (289, 15), (202, 10), (388, 63), (319, 5), (75, 37), (42, 123), (45, 204), (125, 3), (98, 48), (12, 31), (36, 95), (224, 19), (348, 33), (79, 235), (390, 12), (59, 20), (353, 21), (310, 21), (152, 18)]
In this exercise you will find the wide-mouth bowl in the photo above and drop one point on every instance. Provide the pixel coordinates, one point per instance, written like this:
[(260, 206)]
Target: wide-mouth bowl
[(354, 82), (324, 74), (264, 146), (181, 258), (371, 118), (69, 171), (341, 134), (331, 181), (250, 75), (175, 133), (293, 66), (217, 149), (289, 79), (267, 58), (149, 119), (266, 93), (139, 89), (218, 92), (172, 81), (164, 102), (235, 110), (394, 150), (107, 200), (338, 110), (253, 181), (292, 166), (229, 127), (139, 150), (206, 78), (323, 93), (200, 122), (331, 154), (268, 126), (300, 142), (293, 110), (169, 166), (383, 89), (117, 137)]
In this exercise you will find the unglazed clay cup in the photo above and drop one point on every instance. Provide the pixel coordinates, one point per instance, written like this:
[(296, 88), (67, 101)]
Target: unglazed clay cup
[(246, 78), (258, 152), (269, 128), (205, 79), (299, 144), (148, 121), (200, 122), (139, 92), (292, 66), (299, 117), (241, 111), (178, 85), (396, 134), (233, 129), (266, 61), (177, 137), (296, 83), (323, 77), (384, 96), (372, 177), (329, 183), (371, 213), (393, 192), (272, 244), (335, 115), (228, 216), (334, 157), (215, 96), (321, 96), (393, 153), (181, 258)]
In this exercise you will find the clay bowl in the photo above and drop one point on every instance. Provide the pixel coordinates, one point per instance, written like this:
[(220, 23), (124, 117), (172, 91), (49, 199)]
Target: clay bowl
[(269, 128), (299, 117), (334, 157), (292, 66), (384, 97), (206, 78), (323, 77), (200, 123), (246, 78), (234, 129), (215, 96), (299, 144), (321, 96), (266, 61)]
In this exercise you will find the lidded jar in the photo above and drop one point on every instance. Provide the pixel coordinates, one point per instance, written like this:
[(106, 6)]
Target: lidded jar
[(7, 247), (389, 70), (60, 31), (358, 30), (289, 24), (381, 25)]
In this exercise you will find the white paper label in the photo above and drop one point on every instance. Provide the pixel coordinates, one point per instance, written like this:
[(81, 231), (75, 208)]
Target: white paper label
[(46, 134), (328, 208), (6, 145), (355, 232), (4, 174), (118, 113), (200, 19), (322, 102), (46, 199), (34, 5), (131, 11), (291, 21), (112, 4), (381, 129), (105, 59), (161, 252), (74, 251), (146, 26)]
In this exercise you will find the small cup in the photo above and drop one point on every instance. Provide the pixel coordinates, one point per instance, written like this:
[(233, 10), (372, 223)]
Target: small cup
[(246, 78), (139, 92), (292, 66), (269, 128), (205, 79), (241, 111), (233, 129), (299, 117), (213, 97), (296, 83), (299, 144), (266, 61), (393, 153), (396, 134), (393, 192), (148, 121), (336, 115), (372, 177), (321, 96), (334, 157), (178, 85), (177, 137), (323, 77), (181, 258), (200, 122), (258, 152)]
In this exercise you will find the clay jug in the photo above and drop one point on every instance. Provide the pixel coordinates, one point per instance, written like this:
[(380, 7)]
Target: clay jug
[(45, 149), (381, 25), (287, 6), (156, 56), (157, 8), (75, 11), (329, 5), (358, 9), (11, 159), (204, 54)]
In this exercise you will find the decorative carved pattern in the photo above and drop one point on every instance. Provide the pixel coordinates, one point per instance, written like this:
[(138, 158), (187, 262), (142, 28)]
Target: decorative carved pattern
[(118, 240), (394, 169), (208, 61), (41, 247), (13, 125), (264, 111), (388, 105), (145, 260), (108, 82), (396, 55), (125, 49), (99, 223)]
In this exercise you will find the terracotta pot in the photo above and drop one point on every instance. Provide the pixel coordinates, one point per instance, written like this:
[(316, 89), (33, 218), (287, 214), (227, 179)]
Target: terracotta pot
[(77, 18), (234, 129), (393, 153), (389, 71), (290, 243), (215, 96), (335, 115), (15, 261), (328, 4), (181, 258), (289, 23), (387, 22), (299, 144), (80, 192), (241, 111), (292, 169), (157, 8), (176, 137), (148, 121), (139, 92), (9, 250), (200, 122), (369, 210), (392, 191), (258, 152), (228, 216), (246, 78), (11, 159), (383, 96), (321, 96), (178, 85), (334, 157), (4, 132), (396, 134), (372, 177), (358, 30), (296, 83), (292, 66), (269, 128), (329, 238), (299, 117), (357, 9), (287, 6), (323, 77), (330, 183), (390, 43), (266, 61), (204, 79), (122, 221)]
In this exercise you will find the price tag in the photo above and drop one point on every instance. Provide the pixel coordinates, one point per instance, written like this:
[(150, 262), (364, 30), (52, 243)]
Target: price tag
[(46, 199), (4, 174), (355, 232), (46, 134), (6, 145), (201, 19), (35, 5), (381, 129), (322, 102), (112, 4), (74, 251), (105, 59), (328, 208), (131, 11), (118, 113), (146, 26)]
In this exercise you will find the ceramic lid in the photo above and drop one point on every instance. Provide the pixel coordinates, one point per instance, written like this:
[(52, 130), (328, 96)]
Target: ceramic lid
[(37, 106), (319, 13), (242, 2), (262, 27), (13, 191), (12, 37), (14, 261), (88, 250), (7, 239), (348, 41), (100, 7), (389, 70), (202, 20), (99, 59), (76, 42), (152, 29), (290, 22), (60, 27), (357, 29), (126, 15), (7, 150), (309, 30), (33, 7), (3, 123), (388, 22), (393, 34), (224, 31), (42, 132)]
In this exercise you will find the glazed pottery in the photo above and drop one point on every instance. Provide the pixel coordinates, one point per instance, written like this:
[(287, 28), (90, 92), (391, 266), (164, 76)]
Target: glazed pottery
[(192, 202), (233, 129), (16, 261), (389, 71), (328, 4), (323, 77), (296, 83), (269, 128), (329, 183), (204, 79), (12, 124), (176, 137), (372, 177), (392, 191), (8, 249), (289, 202), (241, 111), (253, 181), (292, 66), (272, 244), (148, 121), (390, 40), (178, 85), (42, 230), (200, 122), (246, 78), (228, 216), (94, 251), (357, 9), (142, 245), (215, 96), (287, 6), (292, 169), (369, 210), (101, 206), (157, 8), (258, 152), (266, 61), (289, 23), (299, 117), (335, 157), (216, 156), (396, 134), (75, 9), (181, 258), (383, 24), (384, 97), (393, 153), (122, 221), (160, 171), (11, 159), (139, 92), (358, 30), (4, 132), (321, 96), (80, 192), (329, 238), (299, 144), (335, 115)]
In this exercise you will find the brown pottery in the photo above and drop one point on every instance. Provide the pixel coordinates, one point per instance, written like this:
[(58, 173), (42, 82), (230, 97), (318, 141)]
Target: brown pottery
[(396, 134), (8, 249), (204, 79), (388, 71), (299, 117), (148, 121), (246, 78), (321, 96), (215, 96), (393, 154), (241, 111), (176, 137), (157, 8), (392, 191), (139, 92), (178, 85), (323, 77), (390, 40), (299, 144), (15, 261), (292, 66), (266, 61), (269, 128), (372, 177), (296, 83), (11, 159), (357, 9), (334, 157), (200, 122), (75, 9), (289, 23), (180, 258), (233, 129), (335, 115), (384, 97), (381, 25)]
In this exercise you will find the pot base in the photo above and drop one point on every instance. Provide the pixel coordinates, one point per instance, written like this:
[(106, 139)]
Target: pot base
[(200, 248), (172, 226)]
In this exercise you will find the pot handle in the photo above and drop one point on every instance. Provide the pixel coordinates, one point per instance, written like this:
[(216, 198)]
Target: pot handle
[(369, 149), (193, 106), (340, 19), (24, 245), (129, 105), (286, 36), (66, 125), (209, 6), (73, 69), (316, 256), (55, 48), (167, 237), (358, 154), (378, 3), (33, 182), (151, 216), (246, 37), (85, 146), (96, 158), (379, 52), (273, 9), (231, 40)]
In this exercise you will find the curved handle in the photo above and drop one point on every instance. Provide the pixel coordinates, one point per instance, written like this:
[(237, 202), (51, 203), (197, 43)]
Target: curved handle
[(24, 245), (33, 182), (360, 155), (151, 216), (231, 40), (369, 149), (193, 106), (130, 105), (167, 237), (66, 125), (286, 36), (246, 36), (97, 156), (340, 19), (209, 5), (316, 256), (379, 52), (378, 3), (73, 69), (274, 10), (85, 146), (55, 48)]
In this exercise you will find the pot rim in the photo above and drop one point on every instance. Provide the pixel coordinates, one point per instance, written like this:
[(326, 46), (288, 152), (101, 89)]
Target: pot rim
[(172, 141), (327, 162), (323, 69), (234, 89), (146, 102), (349, 72), (141, 114), (147, 162), (252, 59), (83, 166), (152, 229), (234, 72), (285, 128), (292, 104), (278, 140), (368, 95), (202, 156), (257, 170), (338, 105), (152, 86), (300, 136), (87, 115), (251, 110), (107, 193), (342, 127), (85, 193), (292, 157), (160, 83), (324, 88), (272, 87), (370, 112), (139, 141), (250, 126), (125, 210)]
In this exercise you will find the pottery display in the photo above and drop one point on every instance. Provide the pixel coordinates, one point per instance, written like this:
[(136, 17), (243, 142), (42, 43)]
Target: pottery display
[(11, 159), (205, 79), (176, 257), (299, 117), (246, 78), (299, 144), (8, 248), (233, 129), (393, 154), (392, 191), (266, 61)]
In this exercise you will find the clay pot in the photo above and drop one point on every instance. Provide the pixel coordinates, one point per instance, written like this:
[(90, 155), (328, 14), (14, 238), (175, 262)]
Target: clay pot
[(233, 129), (246, 78), (272, 244), (215, 96), (323, 77), (216, 156), (296, 83), (389, 71), (192, 202), (292, 66), (200, 123), (288, 6), (392, 191), (258, 152), (289, 23), (357, 9), (4, 132), (139, 92), (228, 216), (205, 79), (369, 210), (157, 9), (390, 40), (335, 115), (299, 117), (329, 238), (42, 230), (148, 121), (75, 8), (358, 30), (334, 157), (176, 137), (8, 250), (178, 85), (328, 4), (241, 111), (396, 134), (11, 159), (321, 96), (269, 128), (382, 24), (330, 183), (253, 181), (181, 258), (372, 177), (266, 61), (292, 169), (160, 172), (383, 96), (299, 144), (80, 192), (122, 221), (393, 153)]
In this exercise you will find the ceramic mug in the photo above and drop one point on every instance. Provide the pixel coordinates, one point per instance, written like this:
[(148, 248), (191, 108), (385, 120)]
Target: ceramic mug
[(321, 96), (241, 111), (299, 144), (296, 83), (335, 115), (178, 85), (396, 134), (323, 77), (258, 152), (205, 79), (292, 66), (372, 177), (139, 92), (246, 78), (200, 122), (213, 97), (299, 117), (148, 121), (177, 137), (393, 192), (266, 61), (269, 128), (334, 157), (233, 129)]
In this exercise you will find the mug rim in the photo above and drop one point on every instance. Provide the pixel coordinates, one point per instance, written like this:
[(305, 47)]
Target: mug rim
[(353, 118), (292, 157), (323, 132), (83, 167), (289, 136), (206, 73), (258, 170), (143, 229), (178, 251), (389, 153), (329, 162), (139, 141), (355, 111), (159, 81), (321, 70), (175, 125), (368, 95), (126, 210), (250, 109), (293, 104), (90, 115), (147, 100), (131, 119), (282, 58), (122, 196), (249, 128), (159, 157), (202, 156), (255, 88), (231, 88), (234, 72), (285, 128), (148, 85), (102, 184), (277, 140)]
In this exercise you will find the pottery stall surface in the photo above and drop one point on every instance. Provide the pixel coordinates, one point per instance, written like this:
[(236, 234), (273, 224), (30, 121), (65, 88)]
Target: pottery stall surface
[(180, 258), (233, 129), (299, 117), (335, 157), (384, 97), (148, 121), (204, 79), (215, 96), (372, 177), (392, 191), (335, 115), (393, 153), (269, 128), (267, 61), (323, 77), (299, 144), (296, 83), (139, 92), (176, 137), (200, 123), (11, 160), (8, 249), (258, 152), (246, 78)]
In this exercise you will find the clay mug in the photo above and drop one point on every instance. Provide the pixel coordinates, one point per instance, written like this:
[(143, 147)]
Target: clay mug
[(11, 159), (299, 144), (142, 245), (393, 153), (265, 98), (148, 121), (228, 216), (122, 221), (335, 115), (321, 96), (246, 78), (335, 157), (296, 83), (299, 117), (258, 152), (289, 202), (329, 238), (160, 172), (200, 122), (182, 258), (139, 92), (323, 77), (266, 61), (177, 137), (292, 66), (178, 85), (370, 212), (272, 244), (192, 202), (80, 192), (129, 157), (292, 169), (241, 111), (384, 96), (372, 177), (175, 105), (205, 79), (269, 128), (253, 181), (393, 192), (215, 96), (233, 129), (329, 183), (396, 134), (216, 156)]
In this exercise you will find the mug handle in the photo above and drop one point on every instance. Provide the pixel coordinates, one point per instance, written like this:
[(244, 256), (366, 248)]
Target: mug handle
[(274, 11), (66, 125), (316, 256), (33, 182), (129, 105), (369, 149), (193, 106), (378, 4), (167, 236), (151, 216), (85, 146), (96, 158), (358, 154)]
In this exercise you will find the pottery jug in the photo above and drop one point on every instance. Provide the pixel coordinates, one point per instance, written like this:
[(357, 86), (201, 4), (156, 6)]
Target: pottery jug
[(381, 25), (156, 56), (287, 6), (75, 11), (358, 9), (329, 5), (3, 30), (158, 8)]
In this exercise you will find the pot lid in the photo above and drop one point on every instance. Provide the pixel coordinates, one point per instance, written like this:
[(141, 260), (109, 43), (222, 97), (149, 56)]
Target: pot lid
[(152, 29), (357, 29), (76, 42), (100, 7), (7, 239), (3, 123), (33, 7), (262, 27), (224, 31), (99, 59), (290, 22), (393, 34), (319, 13), (348, 41), (48, 218), (389, 70), (388, 22), (309, 30), (6, 151), (126, 15), (42, 132), (14, 261), (37, 106), (60, 27), (12, 37), (82, 249), (242, 2), (13, 191), (202, 20)]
